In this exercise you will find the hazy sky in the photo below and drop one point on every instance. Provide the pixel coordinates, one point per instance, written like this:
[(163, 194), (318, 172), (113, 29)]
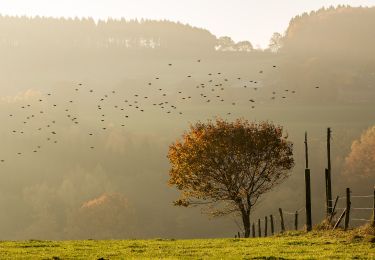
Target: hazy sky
[(252, 20)]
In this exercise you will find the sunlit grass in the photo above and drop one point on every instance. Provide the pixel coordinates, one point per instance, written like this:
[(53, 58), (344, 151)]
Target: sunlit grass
[(294, 245)]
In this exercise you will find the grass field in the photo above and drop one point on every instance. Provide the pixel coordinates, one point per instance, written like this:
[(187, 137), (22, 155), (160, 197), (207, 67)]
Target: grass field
[(294, 245)]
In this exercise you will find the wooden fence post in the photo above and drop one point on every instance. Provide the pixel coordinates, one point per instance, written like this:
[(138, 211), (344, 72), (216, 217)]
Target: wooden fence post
[(296, 220), (328, 174), (282, 220), (259, 229), (265, 226), (328, 210), (272, 226), (238, 234), (329, 148), (306, 152), (328, 192), (347, 214), (253, 229), (308, 200)]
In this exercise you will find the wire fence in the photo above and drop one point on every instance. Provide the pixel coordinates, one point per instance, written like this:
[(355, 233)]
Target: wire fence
[(363, 210), (284, 220), (359, 212)]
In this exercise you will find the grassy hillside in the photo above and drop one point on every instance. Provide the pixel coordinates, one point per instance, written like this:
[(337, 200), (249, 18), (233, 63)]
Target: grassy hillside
[(315, 245)]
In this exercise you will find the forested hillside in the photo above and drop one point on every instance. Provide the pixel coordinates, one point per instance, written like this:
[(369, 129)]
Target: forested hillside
[(319, 73)]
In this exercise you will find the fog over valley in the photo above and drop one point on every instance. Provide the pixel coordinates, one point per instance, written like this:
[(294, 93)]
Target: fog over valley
[(88, 110)]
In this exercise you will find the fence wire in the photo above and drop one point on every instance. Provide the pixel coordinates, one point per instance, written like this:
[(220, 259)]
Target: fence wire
[(361, 219), (363, 196), (289, 222), (354, 196)]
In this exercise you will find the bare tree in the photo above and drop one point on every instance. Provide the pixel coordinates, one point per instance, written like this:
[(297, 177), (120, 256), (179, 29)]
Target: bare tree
[(275, 42)]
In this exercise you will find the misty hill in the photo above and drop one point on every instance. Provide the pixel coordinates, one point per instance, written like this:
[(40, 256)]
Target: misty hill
[(48, 192), (331, 48), (334, 32)]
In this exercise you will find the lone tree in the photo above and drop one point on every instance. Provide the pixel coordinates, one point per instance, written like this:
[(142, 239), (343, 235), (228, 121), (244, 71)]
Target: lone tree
[(229, 165)]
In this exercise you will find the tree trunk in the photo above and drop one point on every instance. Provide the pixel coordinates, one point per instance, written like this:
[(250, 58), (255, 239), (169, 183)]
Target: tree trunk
[(246, 223)]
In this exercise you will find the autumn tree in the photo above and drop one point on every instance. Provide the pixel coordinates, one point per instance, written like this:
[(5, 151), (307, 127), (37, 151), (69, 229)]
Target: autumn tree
[(229, 165), (361, 160)]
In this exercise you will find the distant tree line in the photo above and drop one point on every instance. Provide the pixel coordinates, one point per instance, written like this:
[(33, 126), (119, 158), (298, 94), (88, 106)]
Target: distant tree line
[(86, 32), (18, 32), (226, 43), (334, 30), (331, 29)]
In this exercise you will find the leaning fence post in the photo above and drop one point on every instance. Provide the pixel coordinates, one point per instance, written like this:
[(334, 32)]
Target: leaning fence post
[(333, 210), (282, 220), (347, 215), (272, 226), (259, 229), (339, 220), (253, 229), (296, 220), (265, 225), (308, 200)]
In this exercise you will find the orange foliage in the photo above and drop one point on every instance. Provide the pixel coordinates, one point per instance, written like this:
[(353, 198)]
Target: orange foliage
[(361, 160), (229, 165), (107, 216)]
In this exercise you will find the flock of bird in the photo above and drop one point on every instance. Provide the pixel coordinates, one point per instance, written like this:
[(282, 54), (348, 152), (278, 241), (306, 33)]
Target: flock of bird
[(36, 116)]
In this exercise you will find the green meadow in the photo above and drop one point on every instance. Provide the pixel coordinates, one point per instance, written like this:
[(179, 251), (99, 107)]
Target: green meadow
[(292, 245)]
